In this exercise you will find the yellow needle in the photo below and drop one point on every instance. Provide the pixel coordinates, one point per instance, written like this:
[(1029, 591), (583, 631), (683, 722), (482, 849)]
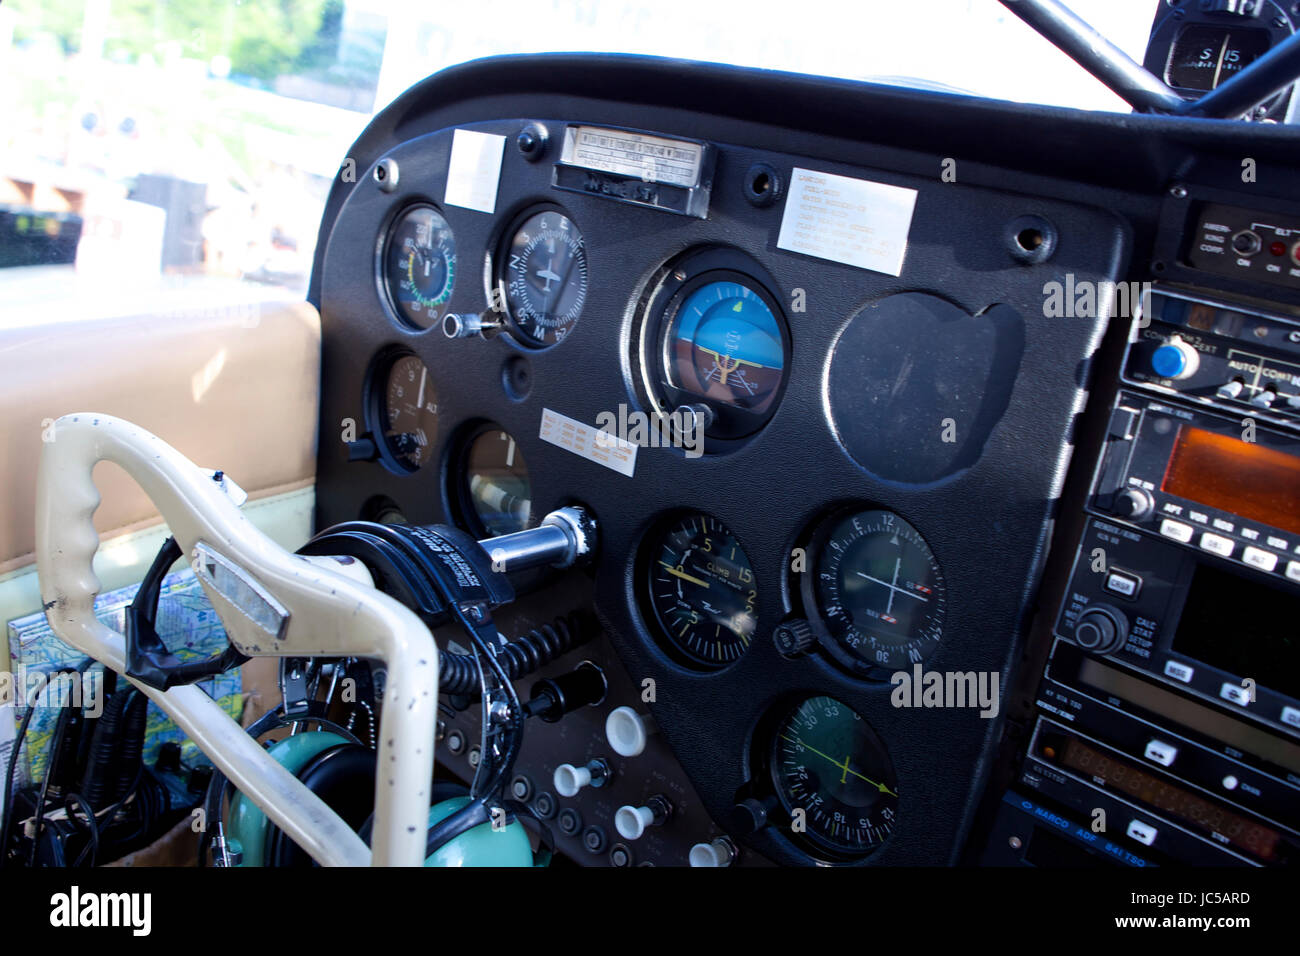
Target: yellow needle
[(845, 767), (677, 572)]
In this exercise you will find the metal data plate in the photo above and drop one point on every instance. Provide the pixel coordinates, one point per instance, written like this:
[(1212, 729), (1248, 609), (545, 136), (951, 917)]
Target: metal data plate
[(671, 174)]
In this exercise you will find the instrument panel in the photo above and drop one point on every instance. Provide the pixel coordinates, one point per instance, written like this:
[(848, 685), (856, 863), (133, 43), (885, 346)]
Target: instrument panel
[(824, 461)]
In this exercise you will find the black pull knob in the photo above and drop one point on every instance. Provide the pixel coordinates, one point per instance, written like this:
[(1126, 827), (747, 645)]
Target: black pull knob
[(554, 697), (363, 449)]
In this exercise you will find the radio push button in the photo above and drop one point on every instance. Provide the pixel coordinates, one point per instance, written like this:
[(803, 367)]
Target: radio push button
[(1160, 752), (1234, 693), (1142, 832), (1122, 583), (1217, 544), (1293, 570), (1176, 530), (1258, 558)]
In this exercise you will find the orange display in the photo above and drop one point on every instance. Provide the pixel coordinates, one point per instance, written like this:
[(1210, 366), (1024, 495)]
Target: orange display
[(1244, 478)]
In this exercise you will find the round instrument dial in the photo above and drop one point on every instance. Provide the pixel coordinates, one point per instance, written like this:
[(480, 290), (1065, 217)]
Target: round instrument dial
[(833, 776), (419, 265), (542, 277), (879, 593), (497, 485), (701, 592), (408, 412), (724, 343)]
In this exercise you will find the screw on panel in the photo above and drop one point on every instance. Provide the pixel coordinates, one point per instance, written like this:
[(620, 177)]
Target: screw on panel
[(386, 175), (1178, 192)]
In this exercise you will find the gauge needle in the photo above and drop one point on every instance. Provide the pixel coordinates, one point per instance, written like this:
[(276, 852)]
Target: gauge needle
[(892, 587), (677, 572), (419, 399), (845, 767)]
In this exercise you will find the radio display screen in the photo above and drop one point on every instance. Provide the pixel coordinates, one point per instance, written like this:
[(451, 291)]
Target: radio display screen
[(1243, 627), (1175, 801), (1244, 478)]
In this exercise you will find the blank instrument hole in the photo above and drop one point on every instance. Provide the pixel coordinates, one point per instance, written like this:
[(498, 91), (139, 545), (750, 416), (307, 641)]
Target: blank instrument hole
[(1029, 239)]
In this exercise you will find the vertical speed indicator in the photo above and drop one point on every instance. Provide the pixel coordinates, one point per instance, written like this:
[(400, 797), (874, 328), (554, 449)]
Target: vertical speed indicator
[(702, 592)]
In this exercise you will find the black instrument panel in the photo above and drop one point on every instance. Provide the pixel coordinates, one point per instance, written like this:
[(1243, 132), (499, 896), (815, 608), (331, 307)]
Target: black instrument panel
[(960, 430)]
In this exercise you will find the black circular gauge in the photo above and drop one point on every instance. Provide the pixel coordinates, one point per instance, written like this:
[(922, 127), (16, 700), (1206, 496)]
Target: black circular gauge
[(878, 593), (542, 276), (834, 778), (720, 340), (496, 485), (701, 591), (418, 265), (408, 412)]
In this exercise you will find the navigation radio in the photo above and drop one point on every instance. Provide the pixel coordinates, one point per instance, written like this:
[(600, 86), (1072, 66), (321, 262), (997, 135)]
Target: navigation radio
[(1169, 709)]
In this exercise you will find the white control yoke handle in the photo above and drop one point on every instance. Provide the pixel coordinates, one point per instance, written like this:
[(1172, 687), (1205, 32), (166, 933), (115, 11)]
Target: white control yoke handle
[(272, 603)]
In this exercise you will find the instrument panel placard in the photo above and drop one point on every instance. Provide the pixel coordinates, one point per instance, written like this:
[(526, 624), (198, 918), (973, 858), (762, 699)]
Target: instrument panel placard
[(853, 221)]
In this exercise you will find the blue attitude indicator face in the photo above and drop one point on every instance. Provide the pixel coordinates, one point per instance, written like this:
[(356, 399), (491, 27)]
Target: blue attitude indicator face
[(724, 343)]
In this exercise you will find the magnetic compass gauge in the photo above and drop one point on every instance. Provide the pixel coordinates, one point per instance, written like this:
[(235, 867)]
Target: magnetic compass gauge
[(830, 768), (418, 263), (701, 592), (542, 277), (878, 592), (408, 413)]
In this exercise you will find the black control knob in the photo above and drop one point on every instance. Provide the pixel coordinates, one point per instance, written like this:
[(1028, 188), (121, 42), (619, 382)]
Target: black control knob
[(793, 638), (1101, 629), (363, 449), (749, 815), (1134, 504)]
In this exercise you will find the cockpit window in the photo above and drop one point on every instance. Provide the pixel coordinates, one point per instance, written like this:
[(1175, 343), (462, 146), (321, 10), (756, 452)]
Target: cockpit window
[(172, 152)]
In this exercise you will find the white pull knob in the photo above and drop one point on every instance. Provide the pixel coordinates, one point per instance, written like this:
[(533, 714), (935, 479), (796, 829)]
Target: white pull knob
[(631, 822), (720, 852), (568, 779), (626, 731)]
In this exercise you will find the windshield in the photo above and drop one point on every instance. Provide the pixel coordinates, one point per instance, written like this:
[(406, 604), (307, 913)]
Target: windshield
[(154, 148)]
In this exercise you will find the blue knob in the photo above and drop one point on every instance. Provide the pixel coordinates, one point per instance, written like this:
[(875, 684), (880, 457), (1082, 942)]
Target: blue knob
[(1174, 359)]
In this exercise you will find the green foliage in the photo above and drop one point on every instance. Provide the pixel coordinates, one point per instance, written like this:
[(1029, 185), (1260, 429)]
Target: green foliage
[(263, 38)]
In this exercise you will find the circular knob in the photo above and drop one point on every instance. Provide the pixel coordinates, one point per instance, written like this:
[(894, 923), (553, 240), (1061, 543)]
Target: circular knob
[(632, 822), (793, 638), (1100, 630), (626, 731), (695, 418), (721, 852), (363, 449), (1175, 359), (1134, 503), (465, 325), (568, 779)]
